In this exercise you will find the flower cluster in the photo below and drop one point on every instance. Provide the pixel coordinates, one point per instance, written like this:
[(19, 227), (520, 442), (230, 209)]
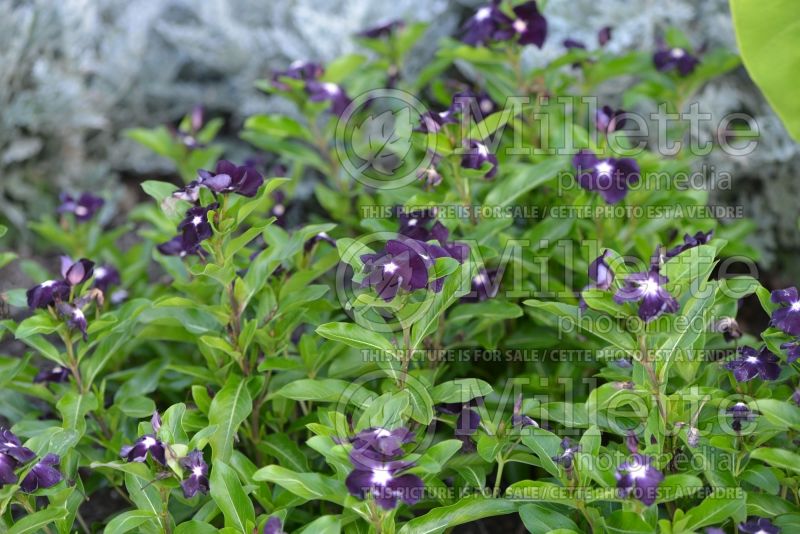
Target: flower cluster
[(610, 177), (675, 58), (490, 24), (377, 470), (310, 74), (44, 474)]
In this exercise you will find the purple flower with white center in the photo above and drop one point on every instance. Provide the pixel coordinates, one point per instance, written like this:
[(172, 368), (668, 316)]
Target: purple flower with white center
[(228, 177), (519, 419), (690, 241), (384, 482), (787, 317), (273, 526), (195, 227), (648, 289), (675, 58), (639, 478), (387, 443), (44, 474), (610, 177), (197, 481), (298, 70), (476, 155), (753, 363), (758, 525), (84, 207), (567, 457), (739, 413), (55, 374), (485, 285), (471, 101), (792, 349), (175, 247), (105, 276), (530, 25), (328, 91), (47, 293), (489, 23), (382, 30), (402, 264), (604, 35), (414, 224), (74, 316), (144, 445), (610, 120), (76, 273), (11, 446)]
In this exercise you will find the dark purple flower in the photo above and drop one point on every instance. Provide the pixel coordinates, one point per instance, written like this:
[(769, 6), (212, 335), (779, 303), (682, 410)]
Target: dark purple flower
[(468, 417), (44, 474), (690, 241), (610, 120), (600, 272), (10, 445), (604, 35), (570, 44), (489, 23), (455, 249), (47, 293), (485, 285), (273, 526), (74, 316), (787, 317), (382, 30), (195, 227), (298, 70), (384, 482), (104, 276), (331, 92), (739, 413), (752, 363), (76, 273), (84, 207), (530, 25), (675, 58), (198, 474), (639, 478), (477, 154), (387, 443), (792, 349), (175, 247), (758, 525), (414, 224), (231, 178), (138, 451), (469, 101), (610, 177), (647, 288), (402, 264), (519, 419), (432, 121), (7, 467), (55, 374), (568, 455)]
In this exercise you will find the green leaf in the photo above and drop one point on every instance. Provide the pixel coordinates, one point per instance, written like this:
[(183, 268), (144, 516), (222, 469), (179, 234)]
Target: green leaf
[(464, 511), (624, 522), (713, 510), (540, 519), (520, 179), (325, 390), (768, 36), (777, 458), (309, 486), (355, 336), (285, 451), (780, 413), (127, 521), (461, 390), (227, 492), (229, 408), (37, 521), (195, 527), (158, 190), (454, 288), (144, 495)]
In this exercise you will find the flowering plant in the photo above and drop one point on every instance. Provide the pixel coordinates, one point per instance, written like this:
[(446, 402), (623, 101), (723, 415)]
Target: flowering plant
[(407, 318)]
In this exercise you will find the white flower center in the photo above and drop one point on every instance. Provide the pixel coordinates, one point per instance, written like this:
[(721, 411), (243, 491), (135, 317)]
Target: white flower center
[(78, 314), (100, 272), (482, 149), (637, 471), (278, 209), (795, 306), (480, 279), (677, 53), (412, 222), (197, 470), (57, 369), (49, 283), (382, 433), (390, 268), (650, 286), (604, 168), (381, 476), (331, 88), (148, 442), (751, 359), (483, 13), (197, 220), (520, 25), (81, 211), (9, 444)]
